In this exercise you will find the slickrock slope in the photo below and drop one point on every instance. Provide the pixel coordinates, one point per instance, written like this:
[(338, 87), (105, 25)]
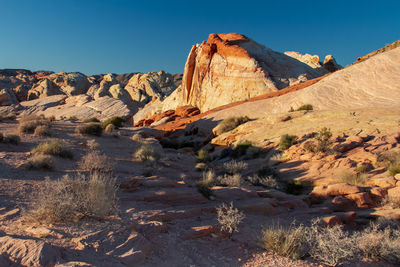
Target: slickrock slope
[(373, 83), (231, 67)]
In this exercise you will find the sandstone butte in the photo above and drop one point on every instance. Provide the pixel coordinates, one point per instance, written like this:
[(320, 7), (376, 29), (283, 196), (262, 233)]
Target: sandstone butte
[(231, 67)]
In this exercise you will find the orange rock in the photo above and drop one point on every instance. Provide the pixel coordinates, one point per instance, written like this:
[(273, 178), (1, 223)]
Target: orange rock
[(362, 199), (199, 232)]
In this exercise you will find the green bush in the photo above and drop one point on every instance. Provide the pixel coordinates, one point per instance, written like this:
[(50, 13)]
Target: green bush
[(305, 107), (92, 128), (230, 123), (287, 141), (323, 137), (53, 147), (116, 121)]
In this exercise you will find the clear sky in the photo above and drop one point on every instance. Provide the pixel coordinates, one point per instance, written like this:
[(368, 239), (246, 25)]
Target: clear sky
[(120, 36)]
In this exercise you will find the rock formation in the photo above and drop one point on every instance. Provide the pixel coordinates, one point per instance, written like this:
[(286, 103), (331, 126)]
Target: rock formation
[(231, 67), (329, 64), (133, 90)]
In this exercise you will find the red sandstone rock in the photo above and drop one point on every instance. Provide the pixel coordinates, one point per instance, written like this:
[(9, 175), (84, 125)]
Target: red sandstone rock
[(362, 199), (199, 232)]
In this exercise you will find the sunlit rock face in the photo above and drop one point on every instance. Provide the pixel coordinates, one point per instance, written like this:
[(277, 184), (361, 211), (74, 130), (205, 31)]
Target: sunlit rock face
[(231, 67)]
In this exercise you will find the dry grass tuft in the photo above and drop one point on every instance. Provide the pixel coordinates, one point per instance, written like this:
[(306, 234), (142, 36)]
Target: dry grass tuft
[(230, 180), (42, 130), (53, 147), (285, 241), (39, 162), (233, 167), (73, 198), (358, 179), (28, 124), (94, 161)]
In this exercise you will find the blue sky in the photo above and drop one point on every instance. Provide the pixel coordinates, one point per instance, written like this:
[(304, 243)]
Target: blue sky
[(121, 36)]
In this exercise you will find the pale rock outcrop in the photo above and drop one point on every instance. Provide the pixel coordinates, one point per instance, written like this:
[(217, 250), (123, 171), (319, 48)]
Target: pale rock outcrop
[(231, 67), (143, 87), (329, 64), (42, 89), (70, 83), (82, 107)]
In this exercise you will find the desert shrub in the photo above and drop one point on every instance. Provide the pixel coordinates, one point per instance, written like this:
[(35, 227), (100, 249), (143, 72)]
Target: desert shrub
[(92, 128), (70, 199), (230, 123), (229, 218), (285, 241), (39, 162), (147, 153), (207, 181), (233, 166), (349, 177), (42, 130), (323, 137), (11, 139), (287, 141), (92, 144), (295, 187), (331, 245), (53, 147), (203, 156), (266, 181), (116, 121), (28, 124), (306, 107), (92, 119), (230, 180), (110, 128), (94, 161), (394, 169), (380, 242)]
